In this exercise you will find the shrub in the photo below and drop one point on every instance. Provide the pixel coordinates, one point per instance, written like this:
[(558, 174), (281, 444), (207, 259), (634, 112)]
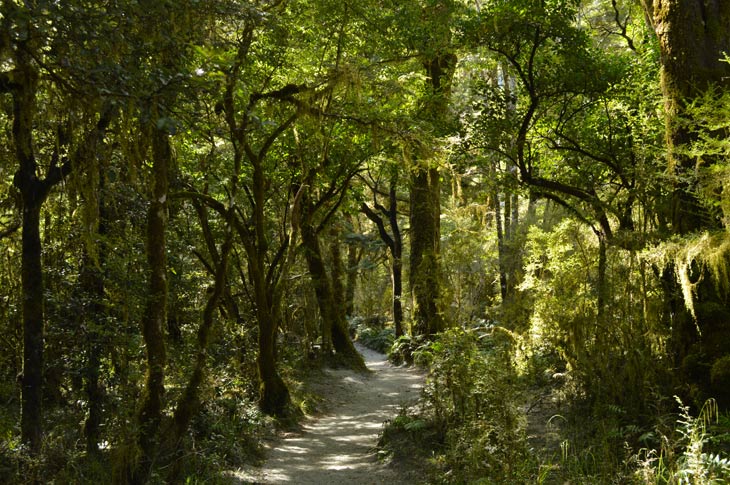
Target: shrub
[(378, 340), (685, 459), (469, 409), (406, 350)]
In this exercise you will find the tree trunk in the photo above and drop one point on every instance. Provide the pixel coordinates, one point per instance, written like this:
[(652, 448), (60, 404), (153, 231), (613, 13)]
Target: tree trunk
[(155, 314), (333, 322), (33, 193), (425, 265), (31, 416), (506, 221), (602, 283), (397, 259), (353, 261), (514, 261), (318, 274), (94, 291), (338, 289), (189, 402), (274, 397), (693, 39), (395, 246), (92, 280), (22, 85), (425, 202), (501, 250)]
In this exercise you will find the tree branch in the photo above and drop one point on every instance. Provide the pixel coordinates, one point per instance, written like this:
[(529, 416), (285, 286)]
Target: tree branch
[(378, 221)]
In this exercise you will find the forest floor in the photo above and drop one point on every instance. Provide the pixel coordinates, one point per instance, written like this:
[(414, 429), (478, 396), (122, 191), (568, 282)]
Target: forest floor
[(339, 446)]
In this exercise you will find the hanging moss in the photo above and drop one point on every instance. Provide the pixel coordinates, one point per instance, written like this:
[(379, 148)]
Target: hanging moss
[(696, 257)]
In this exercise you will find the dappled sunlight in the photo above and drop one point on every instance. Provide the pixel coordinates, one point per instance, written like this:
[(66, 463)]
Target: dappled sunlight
[(340, 447), (294, 449)]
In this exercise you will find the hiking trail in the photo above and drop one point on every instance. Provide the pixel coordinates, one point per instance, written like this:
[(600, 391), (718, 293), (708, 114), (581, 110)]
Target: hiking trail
[(338, 447)]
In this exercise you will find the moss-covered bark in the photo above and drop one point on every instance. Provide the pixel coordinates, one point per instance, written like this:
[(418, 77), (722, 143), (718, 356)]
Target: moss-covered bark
[(353, 260), (425, 203), (33, 193), (274, 398), (693, 36), (92, 280), (425, 267), (155, 314), (31, 417), (397, 252), (337, 272), (22, 84), (333, 321)]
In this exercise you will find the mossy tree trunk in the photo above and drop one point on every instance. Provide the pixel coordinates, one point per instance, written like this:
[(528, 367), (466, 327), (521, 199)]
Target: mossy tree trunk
[(321, 284), (274, 396), (425, 260), (495, 207), (229, 303), (352, 270), (33, 192), (693, 38), (425, 188), (154, 318), (333, 321), (189, 402), (94, 288), (397, 260), (22, 84), (337, 271), (95, 313), (31, 266)]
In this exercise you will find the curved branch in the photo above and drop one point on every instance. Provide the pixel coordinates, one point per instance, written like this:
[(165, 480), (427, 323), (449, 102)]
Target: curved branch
[(378, 221)]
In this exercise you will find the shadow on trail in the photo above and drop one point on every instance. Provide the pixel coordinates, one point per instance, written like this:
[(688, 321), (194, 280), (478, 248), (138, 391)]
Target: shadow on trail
[(339, 447)]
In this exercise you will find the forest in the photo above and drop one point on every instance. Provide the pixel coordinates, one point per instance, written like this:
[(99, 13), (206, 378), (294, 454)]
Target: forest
[(205, 203)]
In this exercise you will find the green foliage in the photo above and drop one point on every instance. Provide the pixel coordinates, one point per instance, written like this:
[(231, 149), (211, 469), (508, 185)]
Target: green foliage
[(470, 253), (720, 376), (226, 434), (470, 406), (378, 340), (557, 101), (694, 256), (707, 119), (683, 459), (405, 350), (561, 276)]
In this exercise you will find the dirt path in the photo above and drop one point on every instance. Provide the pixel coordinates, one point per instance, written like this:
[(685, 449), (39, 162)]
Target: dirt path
[(338, 448)]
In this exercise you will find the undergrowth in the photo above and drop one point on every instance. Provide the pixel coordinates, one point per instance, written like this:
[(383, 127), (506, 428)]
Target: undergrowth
[(470, 426), (468, 419), (695, 454), (226, 434), (380, 340)]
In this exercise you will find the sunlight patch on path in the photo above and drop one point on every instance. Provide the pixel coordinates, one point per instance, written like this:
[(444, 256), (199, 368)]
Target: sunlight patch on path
[(339, 448)]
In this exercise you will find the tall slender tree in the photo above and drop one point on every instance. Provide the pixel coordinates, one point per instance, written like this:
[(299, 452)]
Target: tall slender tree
[(26, 42), (438, 58)]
